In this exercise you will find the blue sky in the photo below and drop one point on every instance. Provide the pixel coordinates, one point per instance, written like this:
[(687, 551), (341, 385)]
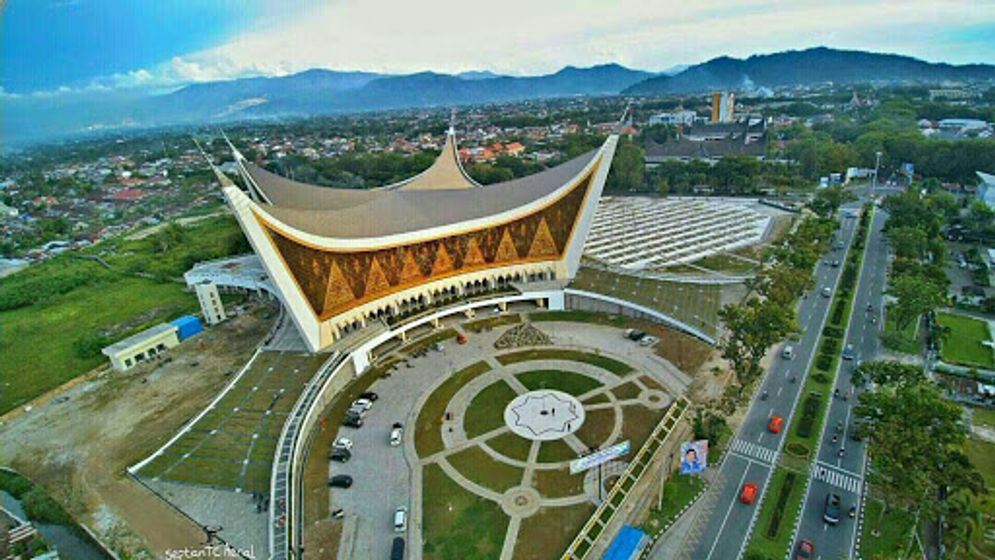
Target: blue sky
[(65, 46)]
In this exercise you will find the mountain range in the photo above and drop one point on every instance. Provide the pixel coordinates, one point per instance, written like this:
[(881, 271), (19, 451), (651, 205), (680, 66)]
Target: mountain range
[(321, 91)]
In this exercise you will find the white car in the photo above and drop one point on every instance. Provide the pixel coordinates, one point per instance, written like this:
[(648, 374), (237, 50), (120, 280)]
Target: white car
[(342, 443), (647, 340), (400, 519), (395, 434), (364, 404)]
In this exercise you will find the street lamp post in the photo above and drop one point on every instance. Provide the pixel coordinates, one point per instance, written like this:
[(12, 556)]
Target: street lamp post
[(877, 163)]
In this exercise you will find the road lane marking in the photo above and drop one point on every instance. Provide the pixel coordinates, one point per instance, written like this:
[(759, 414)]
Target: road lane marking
[(779, 391), (728, 511), (748, 449)]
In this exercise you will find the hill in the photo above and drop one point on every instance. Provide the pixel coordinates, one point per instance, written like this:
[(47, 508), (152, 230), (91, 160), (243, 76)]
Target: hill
[(808, 67)]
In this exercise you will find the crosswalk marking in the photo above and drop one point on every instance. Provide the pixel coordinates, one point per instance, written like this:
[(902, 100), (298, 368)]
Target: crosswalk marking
[(835, 478), (754, 451)]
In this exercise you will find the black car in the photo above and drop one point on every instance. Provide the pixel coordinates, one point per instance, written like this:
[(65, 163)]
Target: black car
[(831, 514), (369, 395), (397, 549), (340, 455), (340, 481), (352, 422)]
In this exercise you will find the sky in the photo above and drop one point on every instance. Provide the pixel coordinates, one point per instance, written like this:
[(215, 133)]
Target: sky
[(62, 47)]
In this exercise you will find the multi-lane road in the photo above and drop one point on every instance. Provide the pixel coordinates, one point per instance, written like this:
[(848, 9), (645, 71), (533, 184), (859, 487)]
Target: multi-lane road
[(722, 523), (833, 472)]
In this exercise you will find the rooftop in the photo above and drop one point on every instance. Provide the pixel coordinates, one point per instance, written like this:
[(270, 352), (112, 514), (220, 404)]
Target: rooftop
[(138, 338)]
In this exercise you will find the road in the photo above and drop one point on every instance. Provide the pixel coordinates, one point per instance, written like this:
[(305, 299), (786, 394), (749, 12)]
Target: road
[(722, 523), (844, 474)]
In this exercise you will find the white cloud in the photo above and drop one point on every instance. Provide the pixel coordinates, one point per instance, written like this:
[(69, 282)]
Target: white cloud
[(530, 37)]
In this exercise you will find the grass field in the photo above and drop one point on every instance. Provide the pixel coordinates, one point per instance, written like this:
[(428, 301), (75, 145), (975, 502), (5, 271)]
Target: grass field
[(906, 340), (575, 384), (232, 445), (491, 322), (982, 455), (511, 445), (456, 523), (963, 346), (428, 439), (486, 410), (475, 464), (771, 537), (123, 305), (894, 531), (696, 305), (603, 362), (547, 534), (678, 492), (983, 417)]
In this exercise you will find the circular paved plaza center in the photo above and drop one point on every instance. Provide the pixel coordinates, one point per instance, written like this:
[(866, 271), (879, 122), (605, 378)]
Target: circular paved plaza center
[(544, 415)]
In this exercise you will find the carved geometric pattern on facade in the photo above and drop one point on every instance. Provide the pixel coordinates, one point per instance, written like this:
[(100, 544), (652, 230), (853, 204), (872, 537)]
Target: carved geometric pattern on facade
[(334, 282)]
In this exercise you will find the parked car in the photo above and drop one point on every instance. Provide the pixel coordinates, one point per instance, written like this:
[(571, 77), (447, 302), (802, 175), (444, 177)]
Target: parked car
[(848, 352), (400, 519), (397, 549), (397, 430), (340, 455), (342, 443), (361, 404), (369, 395), (806, 550), (831, 513), (647, 340), (749, 493), (775, 424), (352, 422), (340, 481), (634, 334), (836, 263)]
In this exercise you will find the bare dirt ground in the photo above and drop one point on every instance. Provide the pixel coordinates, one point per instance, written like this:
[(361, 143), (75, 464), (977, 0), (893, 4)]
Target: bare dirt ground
[(78, 449)]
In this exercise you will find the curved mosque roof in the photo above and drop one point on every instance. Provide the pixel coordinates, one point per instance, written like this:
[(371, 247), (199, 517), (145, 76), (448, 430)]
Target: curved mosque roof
[(442, 195)]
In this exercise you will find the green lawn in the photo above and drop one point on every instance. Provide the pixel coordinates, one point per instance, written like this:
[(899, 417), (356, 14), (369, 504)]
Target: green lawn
[(983, 417), (963, 346), (678, 492), (486, 410), (555, 451), (549, 532), (772, 533), (122, 305), (475, 464), (575, 384), (428, 438), (556, 483), (597, 427), (597, 360), (436, 337), (458, 524), (511, 445), (982, 455), (893, 530)]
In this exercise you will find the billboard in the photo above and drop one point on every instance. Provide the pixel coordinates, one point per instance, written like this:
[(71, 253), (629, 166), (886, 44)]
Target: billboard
[(694, 456), (599, 457)]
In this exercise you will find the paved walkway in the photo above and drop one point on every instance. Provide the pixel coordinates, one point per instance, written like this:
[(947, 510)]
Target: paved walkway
[(523, 501)]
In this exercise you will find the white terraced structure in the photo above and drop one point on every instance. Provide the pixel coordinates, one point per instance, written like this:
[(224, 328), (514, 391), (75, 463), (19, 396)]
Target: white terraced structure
[(639, 233)]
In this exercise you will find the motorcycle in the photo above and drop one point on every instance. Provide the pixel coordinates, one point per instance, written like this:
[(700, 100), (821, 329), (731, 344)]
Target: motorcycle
[(853, 512), (763, 396)]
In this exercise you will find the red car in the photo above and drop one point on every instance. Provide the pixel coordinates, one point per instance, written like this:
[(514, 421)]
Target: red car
[(461, 339), (775, 424), (806, 550), (749, 493)]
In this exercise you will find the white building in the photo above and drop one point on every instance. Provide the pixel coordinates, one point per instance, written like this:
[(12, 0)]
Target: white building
[(675, 118), (142, 347)]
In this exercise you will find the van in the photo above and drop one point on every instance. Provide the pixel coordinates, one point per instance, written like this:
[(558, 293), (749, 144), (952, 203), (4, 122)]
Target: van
[(788, 353), (397, 549)]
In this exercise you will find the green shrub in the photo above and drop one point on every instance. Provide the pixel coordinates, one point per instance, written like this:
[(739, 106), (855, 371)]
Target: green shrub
[(810, 409)]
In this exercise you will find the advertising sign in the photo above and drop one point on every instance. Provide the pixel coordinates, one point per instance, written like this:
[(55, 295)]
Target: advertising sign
[(599, 457), (694, 456)]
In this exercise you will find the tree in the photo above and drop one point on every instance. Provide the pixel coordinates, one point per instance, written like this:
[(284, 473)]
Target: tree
[(753, 328), (908, 242), (915, 295), (628, 168), (827, 201), (914, 435)]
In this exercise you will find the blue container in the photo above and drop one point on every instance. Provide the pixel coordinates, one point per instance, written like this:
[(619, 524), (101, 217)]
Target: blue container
[(629, 544), (187, 326)]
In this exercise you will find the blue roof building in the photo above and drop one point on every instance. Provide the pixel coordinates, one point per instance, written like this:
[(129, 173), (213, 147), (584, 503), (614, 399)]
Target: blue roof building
[(628, 544)]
